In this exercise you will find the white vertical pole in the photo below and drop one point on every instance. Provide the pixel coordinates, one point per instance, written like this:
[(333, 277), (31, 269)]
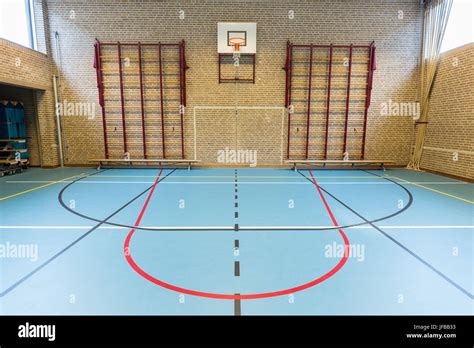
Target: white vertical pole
[(195, 133), (58, 121)]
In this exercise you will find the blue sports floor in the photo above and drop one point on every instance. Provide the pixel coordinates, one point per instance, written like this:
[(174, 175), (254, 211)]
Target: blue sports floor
[(235, 241)]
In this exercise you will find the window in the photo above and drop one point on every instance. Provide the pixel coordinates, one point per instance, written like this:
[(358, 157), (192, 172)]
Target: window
[(17, 22), (460, 28)]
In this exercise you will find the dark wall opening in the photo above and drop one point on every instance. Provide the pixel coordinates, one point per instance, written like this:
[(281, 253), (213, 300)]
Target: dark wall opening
[(27, 97)]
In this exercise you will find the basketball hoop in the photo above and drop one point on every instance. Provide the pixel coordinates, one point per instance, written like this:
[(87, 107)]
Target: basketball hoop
[(236, 42)]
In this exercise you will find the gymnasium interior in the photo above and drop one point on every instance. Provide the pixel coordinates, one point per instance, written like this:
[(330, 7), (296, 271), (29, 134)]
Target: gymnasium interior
[(236, 158)]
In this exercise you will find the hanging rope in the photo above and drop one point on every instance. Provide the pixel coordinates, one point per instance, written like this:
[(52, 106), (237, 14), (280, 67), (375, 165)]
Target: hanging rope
[(436, 14)]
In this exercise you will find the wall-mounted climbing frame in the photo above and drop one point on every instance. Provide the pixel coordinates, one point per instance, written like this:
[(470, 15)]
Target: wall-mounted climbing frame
[(328, 89), (142, 94)]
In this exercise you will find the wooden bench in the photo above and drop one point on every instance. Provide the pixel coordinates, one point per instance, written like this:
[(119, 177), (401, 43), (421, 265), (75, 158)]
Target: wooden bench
[(130, 162), (12, 166), (12, 140), (338, 162), (22, 161), (14, 150)]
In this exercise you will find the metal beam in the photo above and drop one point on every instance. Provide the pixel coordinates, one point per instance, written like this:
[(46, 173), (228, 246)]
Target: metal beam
[(141, 99), (308, 115), (161, 103), (328, 103), (290, 73), (348, 93), (182, 68), (100, 87), (122, 103), (367, 96)]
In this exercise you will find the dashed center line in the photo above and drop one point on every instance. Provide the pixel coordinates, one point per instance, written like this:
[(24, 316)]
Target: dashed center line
[(237, 309), (237, 305), (237, 268)]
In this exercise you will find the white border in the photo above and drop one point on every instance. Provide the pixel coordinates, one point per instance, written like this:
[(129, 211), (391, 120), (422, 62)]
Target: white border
[(243, 228), (224, 27)]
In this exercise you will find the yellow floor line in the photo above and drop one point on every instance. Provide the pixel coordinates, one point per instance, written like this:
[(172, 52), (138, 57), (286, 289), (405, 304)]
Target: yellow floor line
[(39, 187), (434, 190)]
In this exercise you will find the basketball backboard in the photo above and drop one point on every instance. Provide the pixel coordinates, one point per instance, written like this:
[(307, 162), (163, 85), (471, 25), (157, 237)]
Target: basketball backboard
[(243, 33)]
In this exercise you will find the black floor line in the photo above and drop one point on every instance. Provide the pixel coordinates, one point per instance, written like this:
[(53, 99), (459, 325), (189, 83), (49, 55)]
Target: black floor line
[(442, 275), (91, 218), (65, 206), (44, 264), (237, 307), (237, 268)]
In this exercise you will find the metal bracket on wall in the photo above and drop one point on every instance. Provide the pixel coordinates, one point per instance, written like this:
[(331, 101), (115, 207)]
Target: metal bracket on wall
[(245, 62)]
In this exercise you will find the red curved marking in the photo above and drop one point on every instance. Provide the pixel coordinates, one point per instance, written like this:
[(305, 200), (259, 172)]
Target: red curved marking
[(172, 287)]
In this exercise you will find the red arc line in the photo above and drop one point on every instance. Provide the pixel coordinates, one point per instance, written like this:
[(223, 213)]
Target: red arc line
[(181, 290)]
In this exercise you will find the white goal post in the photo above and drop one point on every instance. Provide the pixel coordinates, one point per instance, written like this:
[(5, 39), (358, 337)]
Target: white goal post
[(282, 110)]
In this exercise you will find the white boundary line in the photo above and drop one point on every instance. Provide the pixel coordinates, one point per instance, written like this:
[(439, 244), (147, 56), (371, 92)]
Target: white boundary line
[(204, 107), (72, 227), (300, 182), (364, 227), (282, 133), (210, 228)]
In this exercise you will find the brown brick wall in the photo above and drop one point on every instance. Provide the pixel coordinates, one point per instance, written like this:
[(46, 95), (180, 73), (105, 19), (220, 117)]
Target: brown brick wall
[(451, 117), (23, 67), (359, 22)]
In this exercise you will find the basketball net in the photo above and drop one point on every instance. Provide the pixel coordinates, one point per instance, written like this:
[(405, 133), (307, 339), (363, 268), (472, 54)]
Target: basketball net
[(236, 43), (237, 49)]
